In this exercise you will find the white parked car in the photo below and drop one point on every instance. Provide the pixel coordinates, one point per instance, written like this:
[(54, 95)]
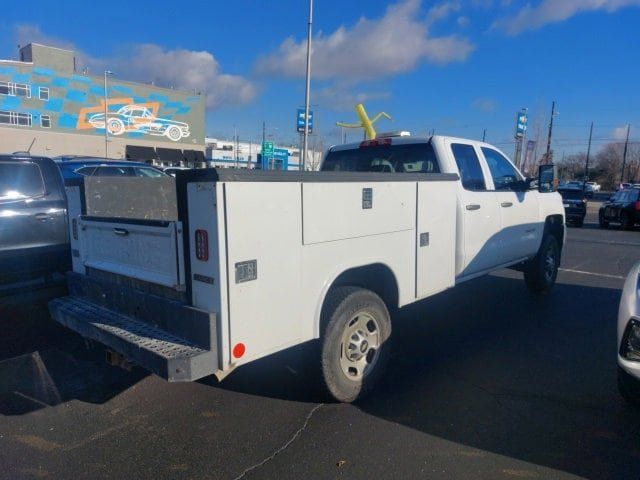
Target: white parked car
[(593, 186), (629, 339)]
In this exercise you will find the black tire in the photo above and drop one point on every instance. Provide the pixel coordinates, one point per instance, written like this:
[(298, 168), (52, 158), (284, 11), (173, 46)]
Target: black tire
[(579, 223), (602, 222), (629, 388), (541, 272), (625, 221), (343, 310)]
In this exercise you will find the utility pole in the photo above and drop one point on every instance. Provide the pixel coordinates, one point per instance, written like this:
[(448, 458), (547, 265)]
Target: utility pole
[(553, 112), (586, 165), (484, 134), (624, 155), (307, 89)]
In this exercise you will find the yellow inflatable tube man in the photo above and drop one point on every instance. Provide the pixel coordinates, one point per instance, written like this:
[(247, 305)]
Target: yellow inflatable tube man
[(365, 122)]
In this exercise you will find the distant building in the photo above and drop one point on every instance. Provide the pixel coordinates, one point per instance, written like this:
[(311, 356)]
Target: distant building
[(49, 108), (227, 153)]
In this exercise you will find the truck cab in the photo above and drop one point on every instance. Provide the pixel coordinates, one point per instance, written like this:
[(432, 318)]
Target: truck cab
[(500, 218)]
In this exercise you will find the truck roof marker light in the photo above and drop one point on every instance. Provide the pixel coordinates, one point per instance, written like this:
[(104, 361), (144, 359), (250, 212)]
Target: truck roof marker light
[(375, 143), (238, 350)]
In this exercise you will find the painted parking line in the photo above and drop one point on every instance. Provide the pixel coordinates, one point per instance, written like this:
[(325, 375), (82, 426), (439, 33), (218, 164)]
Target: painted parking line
[(582, 272)]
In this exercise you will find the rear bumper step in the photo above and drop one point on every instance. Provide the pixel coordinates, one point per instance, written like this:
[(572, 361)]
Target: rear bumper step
[(147, 345)]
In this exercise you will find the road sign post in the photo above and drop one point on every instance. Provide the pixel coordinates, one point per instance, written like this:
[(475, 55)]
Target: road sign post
[(300, 121), (266, 154)]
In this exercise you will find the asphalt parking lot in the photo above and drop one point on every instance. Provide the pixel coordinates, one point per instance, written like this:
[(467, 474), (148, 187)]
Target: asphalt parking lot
[(486, 381)]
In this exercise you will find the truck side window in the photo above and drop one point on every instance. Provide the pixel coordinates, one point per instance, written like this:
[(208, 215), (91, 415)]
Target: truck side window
[(20, 180), (503, 173), (469, 167)]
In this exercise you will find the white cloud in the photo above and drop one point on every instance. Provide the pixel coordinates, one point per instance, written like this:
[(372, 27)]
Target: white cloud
[(620, 133), (463, 21), (184, 70), (372, 48), (551, 11), (484, 104), (179, 68), (342, 97)]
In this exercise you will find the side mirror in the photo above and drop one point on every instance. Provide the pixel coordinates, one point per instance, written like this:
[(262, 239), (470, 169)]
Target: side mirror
[(523, 185), (547, 178)]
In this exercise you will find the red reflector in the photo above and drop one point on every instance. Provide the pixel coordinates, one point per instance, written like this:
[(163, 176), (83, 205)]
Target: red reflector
[(638, 205), (202, 245), (239, 350)]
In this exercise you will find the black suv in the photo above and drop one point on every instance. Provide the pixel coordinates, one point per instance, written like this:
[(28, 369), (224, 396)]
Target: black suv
[(623, 208), (575, 205), (33, 220)]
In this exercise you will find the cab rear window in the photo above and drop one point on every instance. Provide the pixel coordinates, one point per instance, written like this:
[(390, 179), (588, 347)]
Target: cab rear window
[(406, 158), (20, 180)]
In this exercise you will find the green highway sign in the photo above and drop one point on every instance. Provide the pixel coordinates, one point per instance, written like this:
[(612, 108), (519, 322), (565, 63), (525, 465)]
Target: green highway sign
[(267, 149)]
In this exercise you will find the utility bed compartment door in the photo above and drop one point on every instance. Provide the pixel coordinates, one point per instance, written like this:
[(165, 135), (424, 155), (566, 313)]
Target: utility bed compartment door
[(435, 237), (146, 250), (340, 211)]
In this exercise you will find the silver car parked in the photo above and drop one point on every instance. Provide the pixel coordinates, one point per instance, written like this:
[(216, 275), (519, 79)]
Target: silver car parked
[(629, 338)]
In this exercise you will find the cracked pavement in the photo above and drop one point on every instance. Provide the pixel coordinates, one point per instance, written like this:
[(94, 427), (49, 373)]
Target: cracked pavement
[(485, 382)]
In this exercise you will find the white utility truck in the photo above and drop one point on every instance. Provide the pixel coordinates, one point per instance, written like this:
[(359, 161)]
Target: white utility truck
[(197, 275)]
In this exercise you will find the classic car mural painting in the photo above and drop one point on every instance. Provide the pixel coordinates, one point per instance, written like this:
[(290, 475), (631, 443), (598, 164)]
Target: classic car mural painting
[(136, 118)]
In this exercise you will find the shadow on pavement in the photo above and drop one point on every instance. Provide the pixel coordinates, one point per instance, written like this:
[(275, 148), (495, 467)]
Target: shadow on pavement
[(43, 364), (491, 367), (486, 366)]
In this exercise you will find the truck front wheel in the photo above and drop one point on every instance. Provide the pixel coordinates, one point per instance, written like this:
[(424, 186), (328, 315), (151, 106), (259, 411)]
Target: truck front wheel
[(355, 344), (541, 272)]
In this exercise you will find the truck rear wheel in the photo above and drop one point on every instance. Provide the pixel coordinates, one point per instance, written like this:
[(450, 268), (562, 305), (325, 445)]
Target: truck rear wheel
[(355, 343), (541, 272)]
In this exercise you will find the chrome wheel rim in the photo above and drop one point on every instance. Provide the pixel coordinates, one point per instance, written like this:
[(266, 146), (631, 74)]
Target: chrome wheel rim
[(550, 263), (359, 346)]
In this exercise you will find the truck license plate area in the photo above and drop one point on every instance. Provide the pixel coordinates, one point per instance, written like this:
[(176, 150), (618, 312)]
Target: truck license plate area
[(246, 271)]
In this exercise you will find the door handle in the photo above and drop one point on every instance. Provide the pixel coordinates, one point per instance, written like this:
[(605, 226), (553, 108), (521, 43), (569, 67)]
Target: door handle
[(507, 204), (120, 231), (473, 206), (42, 216)]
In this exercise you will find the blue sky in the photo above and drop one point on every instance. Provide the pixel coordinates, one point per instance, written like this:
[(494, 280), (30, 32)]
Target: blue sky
[(454, 66)]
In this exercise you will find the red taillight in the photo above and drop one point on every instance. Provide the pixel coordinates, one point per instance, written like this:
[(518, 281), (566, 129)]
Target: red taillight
[(638, 205), (202, 245)]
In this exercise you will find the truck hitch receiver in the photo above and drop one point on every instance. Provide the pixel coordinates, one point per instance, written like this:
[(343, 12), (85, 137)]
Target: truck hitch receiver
[(117, 360)]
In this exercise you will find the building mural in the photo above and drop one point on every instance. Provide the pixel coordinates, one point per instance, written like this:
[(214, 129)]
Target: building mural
[(42, 98), (123, 116)]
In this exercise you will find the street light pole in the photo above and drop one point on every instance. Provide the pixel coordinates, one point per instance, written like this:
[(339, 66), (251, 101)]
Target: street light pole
[(106, 129), (307, 89)]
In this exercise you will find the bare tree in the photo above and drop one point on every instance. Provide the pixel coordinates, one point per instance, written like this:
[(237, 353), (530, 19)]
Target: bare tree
[(572, 166)]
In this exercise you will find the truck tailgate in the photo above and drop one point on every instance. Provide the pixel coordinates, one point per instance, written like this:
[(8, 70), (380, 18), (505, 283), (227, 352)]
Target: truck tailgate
[(148, 250)]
